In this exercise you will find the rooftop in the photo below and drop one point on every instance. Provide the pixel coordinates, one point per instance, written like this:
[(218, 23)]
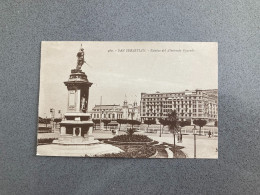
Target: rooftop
[(107, 106), (185, 91)]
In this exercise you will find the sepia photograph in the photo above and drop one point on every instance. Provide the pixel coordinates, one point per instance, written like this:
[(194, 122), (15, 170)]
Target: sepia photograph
[(128, 99)]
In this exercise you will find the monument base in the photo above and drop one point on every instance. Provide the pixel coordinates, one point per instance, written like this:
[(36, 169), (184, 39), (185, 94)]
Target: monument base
[(75, 140), (76, 129)]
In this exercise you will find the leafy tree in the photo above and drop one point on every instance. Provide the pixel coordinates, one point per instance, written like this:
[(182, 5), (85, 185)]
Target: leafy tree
[(149, 122), (163, 122), (184, 123), (121, 121), (173, 123), (200, 123), (45, 121), (136, 122), (95, 121), (133, 122), (106, 121), (57, 120)]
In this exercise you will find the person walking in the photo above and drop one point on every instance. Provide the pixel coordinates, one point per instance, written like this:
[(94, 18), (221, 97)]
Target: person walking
[(209, 134)]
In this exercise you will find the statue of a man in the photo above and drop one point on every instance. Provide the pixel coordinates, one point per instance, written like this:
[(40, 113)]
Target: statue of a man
[(80, 56), (83, 102)]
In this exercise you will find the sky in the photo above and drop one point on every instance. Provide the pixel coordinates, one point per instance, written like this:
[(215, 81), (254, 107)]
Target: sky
[(123, 70)]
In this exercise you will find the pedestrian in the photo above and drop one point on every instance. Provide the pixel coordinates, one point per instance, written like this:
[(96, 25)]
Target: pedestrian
[(209, 134), (181, 138), (178, 137)]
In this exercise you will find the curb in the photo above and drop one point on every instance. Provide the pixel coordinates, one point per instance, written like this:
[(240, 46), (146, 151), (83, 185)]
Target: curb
[(169, 152)]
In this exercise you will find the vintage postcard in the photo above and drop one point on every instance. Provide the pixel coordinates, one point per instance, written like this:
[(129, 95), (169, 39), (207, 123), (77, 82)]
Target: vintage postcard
[(128, 100)]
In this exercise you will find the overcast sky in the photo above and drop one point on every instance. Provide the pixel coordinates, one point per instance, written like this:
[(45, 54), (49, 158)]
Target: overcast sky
[(155, 66)]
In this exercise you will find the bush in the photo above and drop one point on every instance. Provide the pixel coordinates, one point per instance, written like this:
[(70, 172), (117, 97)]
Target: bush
[(45, 141), (130, 131), (132, 138), (143, 152), (44, 130)]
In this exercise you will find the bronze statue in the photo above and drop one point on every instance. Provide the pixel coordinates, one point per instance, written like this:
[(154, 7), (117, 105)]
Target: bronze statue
[(80, 56)]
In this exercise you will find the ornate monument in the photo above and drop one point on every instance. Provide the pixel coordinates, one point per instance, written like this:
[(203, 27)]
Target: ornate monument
[(77, 126)]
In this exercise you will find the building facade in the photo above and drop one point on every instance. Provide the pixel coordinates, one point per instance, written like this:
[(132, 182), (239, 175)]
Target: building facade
[(114, 112), (189, 105)]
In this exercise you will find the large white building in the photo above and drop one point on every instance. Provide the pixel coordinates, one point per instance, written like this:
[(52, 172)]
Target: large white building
[(113, 112), (189, 105)]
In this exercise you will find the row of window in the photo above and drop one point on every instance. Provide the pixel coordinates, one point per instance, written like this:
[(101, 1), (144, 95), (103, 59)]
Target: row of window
[(179, 111), (104, 110), (172, 102), (165, 99), (163, 95), (166, 114), (112, 116)]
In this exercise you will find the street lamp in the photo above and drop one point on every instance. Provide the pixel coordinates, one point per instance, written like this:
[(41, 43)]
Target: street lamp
[(132, 117), (160, 125), (52, 111), (59, 111), (194, 129), (45, 119)]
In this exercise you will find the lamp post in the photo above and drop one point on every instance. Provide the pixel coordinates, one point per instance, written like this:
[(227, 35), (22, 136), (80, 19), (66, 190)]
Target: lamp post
[(100, 119), (45, 119), (160, 125), (132, 117), (59, 111), (52, 111), (194, 129)]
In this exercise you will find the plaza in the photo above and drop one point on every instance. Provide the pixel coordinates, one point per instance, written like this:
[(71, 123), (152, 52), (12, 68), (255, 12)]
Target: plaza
[(205, 147)]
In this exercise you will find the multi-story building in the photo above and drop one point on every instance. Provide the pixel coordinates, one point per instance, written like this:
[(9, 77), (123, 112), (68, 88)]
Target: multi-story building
[(113, 112), (189, 105)]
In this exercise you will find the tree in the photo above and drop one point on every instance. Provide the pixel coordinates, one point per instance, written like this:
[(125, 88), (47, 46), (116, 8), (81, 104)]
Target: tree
[(106, 121), (163, 122), (133, 122), (57, 120), (200, 123), (173, 124), (136, 122), (121, 121), (45, 121), (184, 123), (149, 122), (95, 121)]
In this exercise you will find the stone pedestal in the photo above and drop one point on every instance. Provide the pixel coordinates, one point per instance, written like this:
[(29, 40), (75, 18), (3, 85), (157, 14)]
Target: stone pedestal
[(77, 126)]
